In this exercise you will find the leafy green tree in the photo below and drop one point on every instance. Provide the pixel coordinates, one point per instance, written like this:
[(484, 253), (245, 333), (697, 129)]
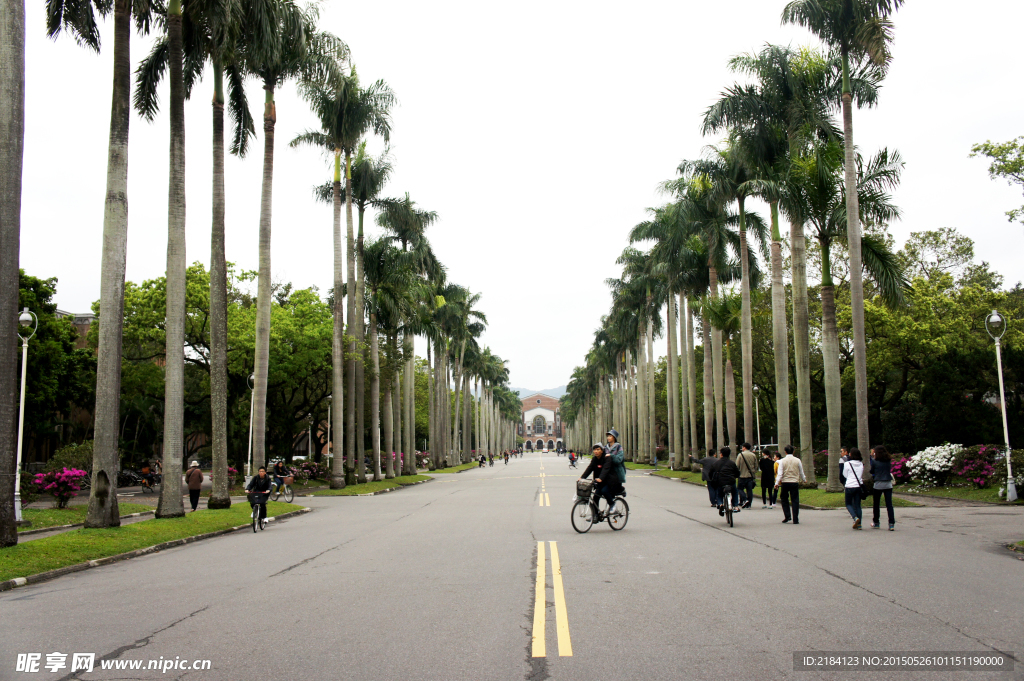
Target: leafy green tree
[(1007, 163)]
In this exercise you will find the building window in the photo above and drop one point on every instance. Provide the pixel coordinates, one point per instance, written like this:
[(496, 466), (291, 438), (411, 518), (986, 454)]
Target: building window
[(538, 401), (539, 424)]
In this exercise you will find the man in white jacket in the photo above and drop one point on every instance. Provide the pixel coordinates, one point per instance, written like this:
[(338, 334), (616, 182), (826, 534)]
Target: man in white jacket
[(789, 477)]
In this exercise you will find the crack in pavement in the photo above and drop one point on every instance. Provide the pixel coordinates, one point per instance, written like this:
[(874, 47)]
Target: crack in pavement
[(139, 643), (852, 583)]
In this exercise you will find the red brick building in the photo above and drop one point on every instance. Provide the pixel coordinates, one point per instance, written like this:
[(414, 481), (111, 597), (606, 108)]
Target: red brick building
[(541, 424)]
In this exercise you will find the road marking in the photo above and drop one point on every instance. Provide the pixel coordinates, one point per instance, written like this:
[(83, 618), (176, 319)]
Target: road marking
[(561, 616), (547, 499), (540, 604)]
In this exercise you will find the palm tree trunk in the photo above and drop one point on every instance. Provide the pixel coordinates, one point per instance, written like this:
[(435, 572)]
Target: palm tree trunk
[(801, 345), (457, 383), (396, 402), (337, 405), (351, 452), (466, 426), (672, 385), (746, 334), (12, 131), (853, 238), (830, 357), (263, 294), (634, 406), (389, 431), (641, 389), (360, 329), (652, 437), (375, 397), (709, 417), (103, 510), (717, 367), (691, 368), (219, 497), (410, 404), (730, 401), (170, 504), (780, 334)]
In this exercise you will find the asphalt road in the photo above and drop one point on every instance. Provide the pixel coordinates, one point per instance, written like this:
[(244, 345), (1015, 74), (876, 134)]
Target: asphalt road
[(440, 581)]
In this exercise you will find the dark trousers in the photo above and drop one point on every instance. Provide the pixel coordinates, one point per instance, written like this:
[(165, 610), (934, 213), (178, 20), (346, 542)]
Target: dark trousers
[(877, 494), (193, 496), (853, 502), (746, 487), (730, 490), (767, 489), (713, 494), (791, 499)]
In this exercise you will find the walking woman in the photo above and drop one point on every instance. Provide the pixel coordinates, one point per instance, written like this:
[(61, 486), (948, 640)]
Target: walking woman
[(881, 471), (767, 467), (853, 471)]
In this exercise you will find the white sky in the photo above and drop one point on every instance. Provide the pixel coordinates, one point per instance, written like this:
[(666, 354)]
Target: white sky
[(538, 131)]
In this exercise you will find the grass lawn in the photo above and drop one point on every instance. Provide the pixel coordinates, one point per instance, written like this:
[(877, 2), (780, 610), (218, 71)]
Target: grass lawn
[(957, 490), (54, 517), (685, 475), (368, 487), (638, 466), (78, 546), (456, 469)]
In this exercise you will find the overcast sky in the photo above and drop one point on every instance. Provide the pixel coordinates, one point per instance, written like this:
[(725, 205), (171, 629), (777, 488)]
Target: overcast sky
[(538, 131)]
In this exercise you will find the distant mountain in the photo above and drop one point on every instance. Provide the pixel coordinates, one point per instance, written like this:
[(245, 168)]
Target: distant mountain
[(553, 392)]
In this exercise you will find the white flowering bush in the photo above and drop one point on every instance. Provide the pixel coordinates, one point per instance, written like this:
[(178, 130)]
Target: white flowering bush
[(933, 466)]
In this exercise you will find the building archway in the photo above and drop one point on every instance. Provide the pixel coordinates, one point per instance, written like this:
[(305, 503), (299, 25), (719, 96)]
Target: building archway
[(529, 445), (551, 444), (540, 444)]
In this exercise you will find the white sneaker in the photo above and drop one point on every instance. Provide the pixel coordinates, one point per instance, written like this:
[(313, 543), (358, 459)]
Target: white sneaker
[(612, 509)]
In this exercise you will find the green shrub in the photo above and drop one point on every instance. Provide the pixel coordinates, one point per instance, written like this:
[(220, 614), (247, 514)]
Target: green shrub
[(77, 456), (29, 492)]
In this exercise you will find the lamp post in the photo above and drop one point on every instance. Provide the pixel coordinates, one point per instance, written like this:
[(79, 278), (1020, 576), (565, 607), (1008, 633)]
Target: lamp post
[(25, 319), (329, 397), (252, 413), (757, 415), (996, 321)]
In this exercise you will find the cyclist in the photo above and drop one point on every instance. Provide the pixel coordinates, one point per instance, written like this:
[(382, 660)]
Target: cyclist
[(490, 459), (506, 457), (259, 488), (615, 481), (280, 472), (572, 459), (725, 474), (146, 474)]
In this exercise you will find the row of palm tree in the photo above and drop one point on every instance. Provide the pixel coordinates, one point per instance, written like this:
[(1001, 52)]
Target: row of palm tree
[(783, 147), (394, 287)]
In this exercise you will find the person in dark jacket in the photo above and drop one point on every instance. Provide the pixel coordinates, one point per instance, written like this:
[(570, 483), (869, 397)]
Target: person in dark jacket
[(767, 468), (194, 480), (724, 475), (706, 465), (606, 480), (881, 471), (259, 487)]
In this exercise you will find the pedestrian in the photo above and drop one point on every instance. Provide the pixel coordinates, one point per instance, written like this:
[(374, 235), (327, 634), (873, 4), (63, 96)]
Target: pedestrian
[(789, 476), (767, 467), (746, 461), (706, 465), (853, 470), (194, 479), (844, 456), (881, 472), (776, 458)]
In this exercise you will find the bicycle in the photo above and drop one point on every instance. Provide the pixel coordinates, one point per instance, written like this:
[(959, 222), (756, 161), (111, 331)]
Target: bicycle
[(726, 496), (257, 521), (286, 489), (586, 512)]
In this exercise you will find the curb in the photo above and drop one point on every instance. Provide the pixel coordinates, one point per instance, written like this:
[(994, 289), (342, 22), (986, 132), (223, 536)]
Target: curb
[(695, 484), (60, 572), (373, 494), (54, 528), (1000, 504)]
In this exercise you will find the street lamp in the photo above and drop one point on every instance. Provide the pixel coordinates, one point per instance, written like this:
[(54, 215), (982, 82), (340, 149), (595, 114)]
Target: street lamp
[(329, 398), (995, 321), (757, 415), (252, 412), (25, 319)]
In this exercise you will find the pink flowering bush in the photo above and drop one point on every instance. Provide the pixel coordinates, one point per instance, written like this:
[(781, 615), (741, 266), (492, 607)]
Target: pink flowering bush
[(900, 469), (976, 464), (63, 484)]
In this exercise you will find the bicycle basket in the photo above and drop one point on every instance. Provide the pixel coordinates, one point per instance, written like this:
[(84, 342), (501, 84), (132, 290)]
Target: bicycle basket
[(289, 479), (583, 488), (254, 498)]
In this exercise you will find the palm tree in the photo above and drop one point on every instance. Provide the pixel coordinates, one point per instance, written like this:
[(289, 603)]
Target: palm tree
[(279, 43), (12, 120), (859, 30), (78, 18), (817, 186)]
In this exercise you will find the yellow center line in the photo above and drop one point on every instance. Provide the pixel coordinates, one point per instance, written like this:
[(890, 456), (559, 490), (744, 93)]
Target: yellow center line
[(561, 616), (540, 605), (547, 499)]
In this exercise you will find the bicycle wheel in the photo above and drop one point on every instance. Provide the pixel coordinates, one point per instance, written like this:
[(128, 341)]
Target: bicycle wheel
[(288, 493), (582, 516), (274, 493), (619, 519), (263, 521), (728, 514), (255, 516)]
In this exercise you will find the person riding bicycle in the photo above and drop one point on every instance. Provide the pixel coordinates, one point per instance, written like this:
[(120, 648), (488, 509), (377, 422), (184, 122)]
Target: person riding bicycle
[(572, 458), (608, 468), (146, 473), (506, 458), (259, 490), (725, 473), (281, 471)]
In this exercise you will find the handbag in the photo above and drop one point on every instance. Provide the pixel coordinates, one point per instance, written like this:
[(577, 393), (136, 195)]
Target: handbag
[(863, 487)]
